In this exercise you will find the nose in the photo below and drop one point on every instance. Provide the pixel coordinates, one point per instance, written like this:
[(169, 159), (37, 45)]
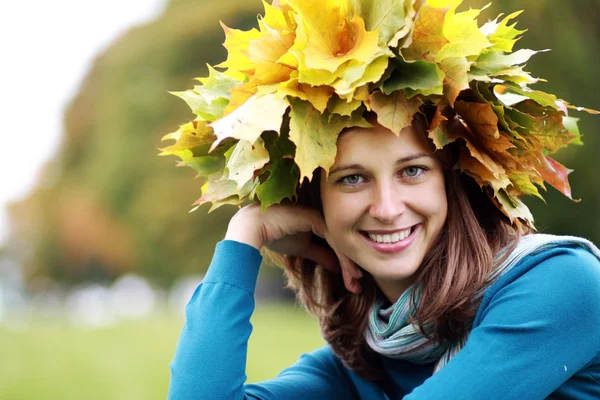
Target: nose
[(387, 203)]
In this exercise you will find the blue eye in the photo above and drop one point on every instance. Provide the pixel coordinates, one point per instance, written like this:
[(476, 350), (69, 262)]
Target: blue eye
[(351, 179), (413, 171)]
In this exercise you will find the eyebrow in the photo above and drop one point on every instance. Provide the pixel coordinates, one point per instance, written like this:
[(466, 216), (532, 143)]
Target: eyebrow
[(358, 166)]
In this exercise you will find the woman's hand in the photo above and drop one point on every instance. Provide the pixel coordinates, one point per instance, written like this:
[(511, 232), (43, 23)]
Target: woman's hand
[(287, 229)]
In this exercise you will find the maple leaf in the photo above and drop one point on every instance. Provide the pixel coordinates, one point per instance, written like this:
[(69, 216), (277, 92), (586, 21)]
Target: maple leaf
[(422, 77), (341, 106), (395, 112), (356, 74), (328, 38), (280, 185), (428, 33), (193, 135), (318, 96), (244, 159), (513, 207), (208, 101), (463, 35), (481, 172), (203, 165), (258, 114), (221, 192), (402, 35), (238, 63), (555, 174), (494, 62), (386, 16), (455, 77), (436, 132), (483, 122), (501, 35), (315, 135)]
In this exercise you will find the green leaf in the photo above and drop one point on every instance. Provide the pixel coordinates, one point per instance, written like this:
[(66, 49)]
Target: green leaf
[(542, 98), (571, 124), (421, 76), (281, 183), (203, 165), (386, 15), (495, 62), (279, 146), (513, 207), (209, 100)]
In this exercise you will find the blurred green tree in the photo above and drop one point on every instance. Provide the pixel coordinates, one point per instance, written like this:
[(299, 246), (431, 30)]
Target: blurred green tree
[(107, 204)]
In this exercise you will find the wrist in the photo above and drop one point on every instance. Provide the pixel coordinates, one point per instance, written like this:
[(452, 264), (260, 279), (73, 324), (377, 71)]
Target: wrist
[(244, 230)]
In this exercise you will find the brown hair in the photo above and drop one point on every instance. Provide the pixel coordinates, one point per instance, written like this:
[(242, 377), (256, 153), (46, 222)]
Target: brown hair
[(453, 270)]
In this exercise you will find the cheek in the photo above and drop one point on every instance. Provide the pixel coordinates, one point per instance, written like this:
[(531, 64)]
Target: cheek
[(341, 212)]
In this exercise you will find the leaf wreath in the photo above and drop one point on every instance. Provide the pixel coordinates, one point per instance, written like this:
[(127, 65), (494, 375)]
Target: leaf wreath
[(314, 67)]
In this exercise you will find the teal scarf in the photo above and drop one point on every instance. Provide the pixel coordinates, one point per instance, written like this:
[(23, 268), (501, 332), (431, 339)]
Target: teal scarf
[(389, 333)]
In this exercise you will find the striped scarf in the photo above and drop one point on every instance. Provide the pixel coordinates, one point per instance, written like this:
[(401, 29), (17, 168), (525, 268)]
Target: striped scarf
[(389, 332)]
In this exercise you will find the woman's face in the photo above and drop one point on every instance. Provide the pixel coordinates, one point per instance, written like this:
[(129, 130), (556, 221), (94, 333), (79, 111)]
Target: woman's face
[(384, 203)]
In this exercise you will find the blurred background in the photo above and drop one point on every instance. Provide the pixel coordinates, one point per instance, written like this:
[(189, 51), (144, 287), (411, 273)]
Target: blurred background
[(98, 253)]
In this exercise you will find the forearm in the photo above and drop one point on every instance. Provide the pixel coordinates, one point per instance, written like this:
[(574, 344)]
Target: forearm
[(210, 359)]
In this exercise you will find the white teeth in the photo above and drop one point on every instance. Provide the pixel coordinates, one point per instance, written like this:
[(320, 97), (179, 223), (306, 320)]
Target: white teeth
[(393, 238)]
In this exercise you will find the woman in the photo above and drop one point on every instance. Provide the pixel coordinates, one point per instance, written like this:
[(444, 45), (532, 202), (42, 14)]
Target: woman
[(409, 242)]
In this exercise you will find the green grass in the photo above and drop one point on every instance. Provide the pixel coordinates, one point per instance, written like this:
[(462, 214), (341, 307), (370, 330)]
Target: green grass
[(131, 360)]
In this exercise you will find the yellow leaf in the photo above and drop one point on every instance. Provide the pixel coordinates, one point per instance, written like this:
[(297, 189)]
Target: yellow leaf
[(246, 158), (340, 106), (353, 74), (191, 135), (236, 43), (428, 34), (464, 37), (318, 96), (501, 35), (239, 95), (327, 38), (260, 113), (266, 51), (395, 112), (278, 19)]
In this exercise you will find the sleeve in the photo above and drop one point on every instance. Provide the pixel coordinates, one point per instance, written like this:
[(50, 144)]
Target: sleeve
[(535, 333), (210, 359)]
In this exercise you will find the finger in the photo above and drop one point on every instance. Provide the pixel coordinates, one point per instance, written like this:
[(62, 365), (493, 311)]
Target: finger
[(350, 271), (323, 256)]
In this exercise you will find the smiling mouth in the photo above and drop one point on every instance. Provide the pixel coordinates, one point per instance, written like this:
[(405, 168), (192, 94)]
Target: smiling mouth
[(390, 237)]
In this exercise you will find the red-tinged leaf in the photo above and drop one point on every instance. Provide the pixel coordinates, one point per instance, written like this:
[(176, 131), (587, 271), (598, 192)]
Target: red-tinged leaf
[(483, 123), (555, 174)]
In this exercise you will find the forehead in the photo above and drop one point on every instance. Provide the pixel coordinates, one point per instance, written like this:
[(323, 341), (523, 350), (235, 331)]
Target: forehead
[(379, 142)]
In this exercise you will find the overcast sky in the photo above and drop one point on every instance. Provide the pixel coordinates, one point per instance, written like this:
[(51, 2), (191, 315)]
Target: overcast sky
[(47, 48)]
